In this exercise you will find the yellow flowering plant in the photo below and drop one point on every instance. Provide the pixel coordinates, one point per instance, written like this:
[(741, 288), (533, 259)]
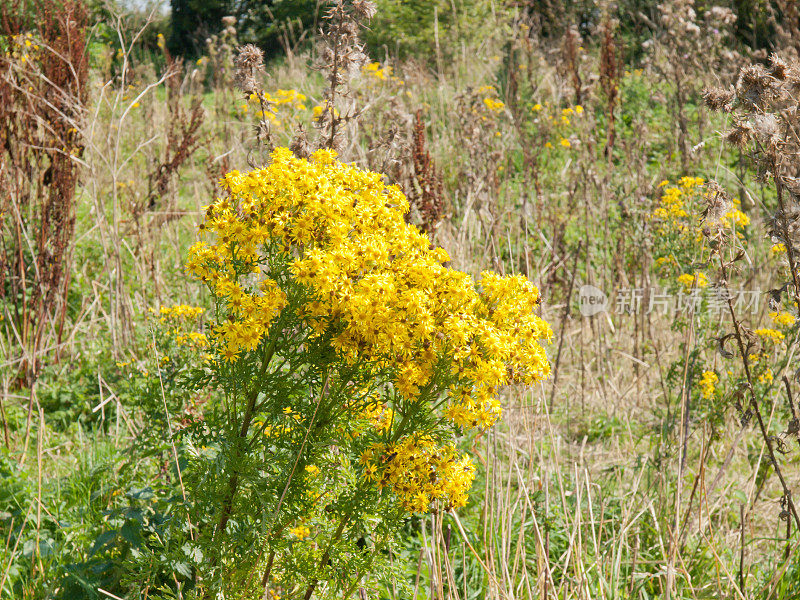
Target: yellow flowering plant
[(677, 233), (686, 226), (350, 359), (678, 222)]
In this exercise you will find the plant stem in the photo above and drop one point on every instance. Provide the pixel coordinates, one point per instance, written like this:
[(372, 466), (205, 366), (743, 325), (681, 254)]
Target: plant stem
[(754, 402), (787, 239), (326, 555), (247, 419)]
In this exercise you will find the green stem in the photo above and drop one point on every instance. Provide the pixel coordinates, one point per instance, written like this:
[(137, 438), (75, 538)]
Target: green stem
[(326, 555), (247, 419)]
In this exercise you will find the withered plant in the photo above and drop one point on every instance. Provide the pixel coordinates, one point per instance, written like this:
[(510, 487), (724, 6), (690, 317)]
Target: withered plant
[(610, 76), (764, 106), (341, 57), (43, 93), (183, 138), (684, 50), (571, 50), (423, 186)]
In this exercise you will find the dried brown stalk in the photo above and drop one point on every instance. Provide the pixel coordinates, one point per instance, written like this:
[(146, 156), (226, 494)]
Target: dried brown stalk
[(43, 93)]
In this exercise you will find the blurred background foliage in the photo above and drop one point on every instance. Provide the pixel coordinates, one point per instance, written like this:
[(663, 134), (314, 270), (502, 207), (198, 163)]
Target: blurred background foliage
[(412, 27)]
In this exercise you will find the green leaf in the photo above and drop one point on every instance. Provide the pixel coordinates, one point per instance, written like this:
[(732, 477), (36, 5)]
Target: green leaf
[(131, 533), (102, 540)]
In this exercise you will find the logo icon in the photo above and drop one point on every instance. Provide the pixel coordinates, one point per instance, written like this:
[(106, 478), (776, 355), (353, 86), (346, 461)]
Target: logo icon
[(592, 301)]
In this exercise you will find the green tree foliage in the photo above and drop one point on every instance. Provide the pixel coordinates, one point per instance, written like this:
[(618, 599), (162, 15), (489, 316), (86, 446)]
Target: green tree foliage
[(192, 21), (404, 27), (273, 23)]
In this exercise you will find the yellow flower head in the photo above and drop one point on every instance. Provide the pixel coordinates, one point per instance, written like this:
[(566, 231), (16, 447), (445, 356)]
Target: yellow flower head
[(707, 383), (778, 249), (689, 281), (772, 335), (493, 105), (784, 319)]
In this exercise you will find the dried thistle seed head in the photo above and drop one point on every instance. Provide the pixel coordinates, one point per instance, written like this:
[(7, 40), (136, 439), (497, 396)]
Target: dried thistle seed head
[(250, 57), (335, 10), (778, 67), (719, 15), (753, 85), (792, 185), (349, 29), (337, 143), (248, 63), (364, 9), (264, 135), (353, 61), (326, 55), (718, 203), (300, 145), (719, 99), (784, 226), (767, 130), (739, 136)]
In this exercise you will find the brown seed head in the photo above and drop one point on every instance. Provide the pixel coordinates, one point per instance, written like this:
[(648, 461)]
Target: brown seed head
[(753, 85), (719, 99), (739, 136), (248, 63), (364, 9)]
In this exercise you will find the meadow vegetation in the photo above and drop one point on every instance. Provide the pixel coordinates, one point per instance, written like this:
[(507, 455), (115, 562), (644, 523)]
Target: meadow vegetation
[(446, 300)]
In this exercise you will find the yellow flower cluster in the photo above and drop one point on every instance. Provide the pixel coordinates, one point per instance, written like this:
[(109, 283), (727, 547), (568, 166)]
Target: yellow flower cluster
[(23, 48), (735, 218), (193, 339), (252, 308), (319, 110), (488, 96), (182, 312), (494, 105), (419, 471), (378, 73), (772, 335), (379, 415), (376, 288), (676, 203), (300, 532), (783, 319), (275, 104), (291, 98), (680, 225), (672, 202), (559, 120), (777, 249), (688, 280), (566, 113), (396, 302), (707, 384)]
